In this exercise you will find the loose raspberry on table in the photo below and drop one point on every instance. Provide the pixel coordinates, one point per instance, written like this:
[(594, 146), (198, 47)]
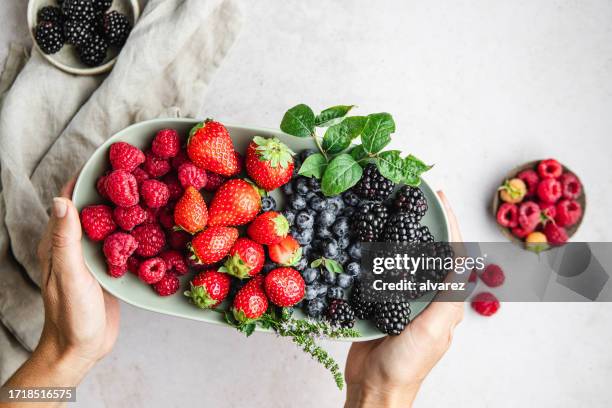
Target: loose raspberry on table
[(549, 190), (493, 276), (122, 188), (473, 276), (555, 234), (485, 304), (174, 186), (129, 217), (550, 168), (213, 181), (191, 175), (175, 262), (118, 247), (150, 238), (156, 166), (97, 221), (168, 285), (531, 180), (178, 239), (166, 144), (152, 270), (568, 213), (124, 156), (140, 175), (529, 215), (154, 193), (507, 215), (116, 271), (570, 186)]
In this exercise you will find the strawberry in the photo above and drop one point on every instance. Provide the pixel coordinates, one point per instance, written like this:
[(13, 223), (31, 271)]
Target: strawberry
[(288, 252), (236, 202), (213, 244), (246, 259), (190, 212), (208, 289), (210, 148), (284, 286), (268, 228), (269, 162), (250, 302)]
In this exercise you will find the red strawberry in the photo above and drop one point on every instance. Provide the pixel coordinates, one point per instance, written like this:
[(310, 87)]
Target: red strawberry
[(246, 259), (97, 221), (168, 285), (549, 190), (118, 247), (191, 175), (250, 302), (550, 168), (190, 212), (213, 244), (288, 252), (485, 304), (129, 217), (208, 289), (210, 148), (571, 186), (507, 215), (166, 144), (284, 286), (124, 156), (236, 202), (152, 270), (213, 181), (268, 228), (269, 162), (568, 213)]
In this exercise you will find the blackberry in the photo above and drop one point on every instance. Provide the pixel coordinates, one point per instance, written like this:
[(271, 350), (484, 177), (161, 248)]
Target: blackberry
[(402, 228), (116, 28), (50, 14), (82, 10), (49, 37), (369, 220), (100, 6), (426, 235), (364, 309), (93, 52), (77, 32), (392, 317), (411, 200), (373, 185), (340, 313)]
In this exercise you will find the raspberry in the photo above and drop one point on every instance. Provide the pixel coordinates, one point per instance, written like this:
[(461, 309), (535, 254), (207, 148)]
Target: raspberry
[(150, 238), (485, 304), (548, 212), (101, 187), (493, 276), (570, 186), (97, 221), (168, 285), (179, 159), (116, 271), (529, 215), (174, 262), (124, 156), (155, 166), (140, 175), (473, 276), (531, 180), (191, 175), (166, 144), (555, 234), (166, 217), (550, 168), (507, 215), (152, 215), (213, 181), (568, 213), (174, 186), (154, 193), (133, 263), (549, 190), (122, 188), (521, 232), (152, 270), (118, 247), (129, 217), (178, 239)]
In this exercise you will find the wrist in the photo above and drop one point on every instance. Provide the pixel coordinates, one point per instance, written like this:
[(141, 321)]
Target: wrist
[(373, 397), (66, 365)]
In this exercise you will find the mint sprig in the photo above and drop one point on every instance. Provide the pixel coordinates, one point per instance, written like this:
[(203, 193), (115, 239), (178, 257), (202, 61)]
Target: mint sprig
[(339, 163)]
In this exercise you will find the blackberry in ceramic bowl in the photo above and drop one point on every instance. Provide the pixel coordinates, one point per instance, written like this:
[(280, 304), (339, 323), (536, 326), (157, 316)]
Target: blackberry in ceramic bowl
[(363, 308), (78, 32), (402, 228), (82, 10), (49, 37), (116, 28), (340, 314), (369, 221), (373, 185), (50, 14), (392, 317), (93, 52), (411, 200)]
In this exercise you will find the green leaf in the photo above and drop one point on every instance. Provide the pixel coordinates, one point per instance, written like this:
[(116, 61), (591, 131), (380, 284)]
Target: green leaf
[(338, 137), (316, 263), (333, 266), (413, 168), (342, 173), (359, 153), (299, 121), (333, 115), (391, 165), (377, 132), (248, 329), (313, 166)]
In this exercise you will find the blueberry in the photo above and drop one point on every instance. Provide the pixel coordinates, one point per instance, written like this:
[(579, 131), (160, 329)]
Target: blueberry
[(354, 251), (343, 258), (335, 292), (304, 237), (353, 269), (317, 203), (297, 202), (350, 198), (322, 290), (268, 266), (322, 232), (301, 265), (306, 251), (310, 195), (301, 185), (311, 291), (330, 248), (304, 220), (344, 280), (268, 204), (314, 184), (344, 242), (287, 188), (348, 212), (310, 275), (290, 216), (335, 204), (341, 227), (315, 307), (293, 230), (328, 277), (326, 218), (304, 154)]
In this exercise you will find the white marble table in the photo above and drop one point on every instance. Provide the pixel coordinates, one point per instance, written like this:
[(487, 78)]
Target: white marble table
[(476, 88)]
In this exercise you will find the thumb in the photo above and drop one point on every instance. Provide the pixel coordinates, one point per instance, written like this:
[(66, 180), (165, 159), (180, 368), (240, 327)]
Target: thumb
[(66, 252)]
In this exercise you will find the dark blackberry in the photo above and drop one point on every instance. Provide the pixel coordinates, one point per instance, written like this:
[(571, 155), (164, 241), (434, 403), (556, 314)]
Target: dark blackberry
[(93, 52), (100, 6), (82, 10), (50, 14), (369, 221), (49, 37), (402, 228), (426, 235), (340, 313), (77, 32), (373, 185), (364, 309), (411, 200), (392, 317), (116, 28)]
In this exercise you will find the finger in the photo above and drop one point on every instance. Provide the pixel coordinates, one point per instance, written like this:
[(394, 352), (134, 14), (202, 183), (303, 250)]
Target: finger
[(66, 251), (452, 219), (66, 191)]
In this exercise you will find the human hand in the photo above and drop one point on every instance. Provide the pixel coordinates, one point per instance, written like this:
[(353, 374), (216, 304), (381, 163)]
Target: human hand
[(388, 372)]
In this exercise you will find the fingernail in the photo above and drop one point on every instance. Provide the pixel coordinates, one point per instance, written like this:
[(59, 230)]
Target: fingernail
[(59, 208)]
